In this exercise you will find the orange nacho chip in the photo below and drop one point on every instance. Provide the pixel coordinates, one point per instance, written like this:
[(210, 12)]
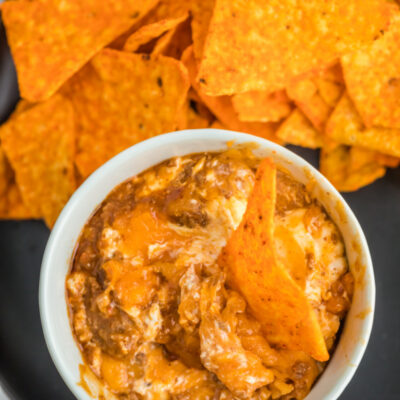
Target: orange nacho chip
[(304, 93), (222, 106), (330, 84), (345, 126), (387, 161), (218, 125), (195, 120), (349, 168), (330, 92), (258, 45), (21, 106), (202, 11), (162, 43), (40, 144), (174, 42), (122, 98), (262, 106), (373, 79), (198, 115), (6, 173), (149, 32), (332, 74), (297, 130), (166, 9), (275, 299), (11, 206), (51, 40)]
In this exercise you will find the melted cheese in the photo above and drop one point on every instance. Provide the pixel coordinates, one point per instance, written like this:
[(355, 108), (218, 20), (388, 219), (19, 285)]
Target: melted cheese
[(313, 256)]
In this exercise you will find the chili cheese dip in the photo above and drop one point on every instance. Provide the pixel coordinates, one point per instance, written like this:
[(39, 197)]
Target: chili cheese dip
[(150, 307)]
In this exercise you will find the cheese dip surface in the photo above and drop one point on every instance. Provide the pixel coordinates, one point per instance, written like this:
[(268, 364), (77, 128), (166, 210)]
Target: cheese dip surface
[(150, 307)]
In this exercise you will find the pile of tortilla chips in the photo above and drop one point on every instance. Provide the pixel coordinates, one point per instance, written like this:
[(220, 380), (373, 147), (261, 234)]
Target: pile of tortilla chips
[(98, 77)]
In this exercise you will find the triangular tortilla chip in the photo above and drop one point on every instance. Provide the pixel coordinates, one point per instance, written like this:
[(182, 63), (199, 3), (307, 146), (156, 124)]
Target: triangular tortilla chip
[(6, 174), (198, 115), (174, 42), (166, 9), (373, 79), (349, 168), (260, 45), (121, 99), (11, 206), (202, 11), (161, 44), (304, 92), (330, 84), (151, 31), (297, 130), (345, 126), (278, 303), (333, 74), (262, 106), (195, 120), (222, 106), (218, 125), (387, 161), (40, 144), (51, 40)]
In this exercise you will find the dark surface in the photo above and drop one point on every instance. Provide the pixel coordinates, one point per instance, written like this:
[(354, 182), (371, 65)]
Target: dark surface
[(26, 370)]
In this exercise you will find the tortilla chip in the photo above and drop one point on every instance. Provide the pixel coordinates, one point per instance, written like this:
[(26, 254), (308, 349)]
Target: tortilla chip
[(330, 92), (122, 98), (40, 144), (51, 40), (345, 126), (387, 161), (149, 32), (166, 9), (21, 106), (304, 93), (12, 206), (6, 173), (373, 79), (174, 42), (262, 106), (198, 115), (349, 168), (297, 130), (195, 120), (332, 74), (161, 44), (218, 125), (274, 298), (202, 11), (222, 106), (259, 45)]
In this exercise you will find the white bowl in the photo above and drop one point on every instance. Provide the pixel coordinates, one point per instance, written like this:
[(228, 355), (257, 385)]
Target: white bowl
[(59, 250)]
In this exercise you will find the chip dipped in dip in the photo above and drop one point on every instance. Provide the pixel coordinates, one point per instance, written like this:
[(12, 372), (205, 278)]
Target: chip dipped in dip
[(165, 283)]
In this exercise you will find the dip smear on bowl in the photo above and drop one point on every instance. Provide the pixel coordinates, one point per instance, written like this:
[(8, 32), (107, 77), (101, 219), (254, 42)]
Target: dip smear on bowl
[(151, 304)]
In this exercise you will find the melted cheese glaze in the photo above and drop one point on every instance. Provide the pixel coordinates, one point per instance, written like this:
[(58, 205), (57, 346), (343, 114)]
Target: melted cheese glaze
[(321, 254)]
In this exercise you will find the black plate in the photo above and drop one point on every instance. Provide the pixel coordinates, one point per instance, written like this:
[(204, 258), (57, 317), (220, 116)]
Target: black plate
[(26, 370)]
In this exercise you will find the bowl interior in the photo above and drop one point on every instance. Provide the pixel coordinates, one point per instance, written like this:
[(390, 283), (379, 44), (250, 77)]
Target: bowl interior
[(56, 261)]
